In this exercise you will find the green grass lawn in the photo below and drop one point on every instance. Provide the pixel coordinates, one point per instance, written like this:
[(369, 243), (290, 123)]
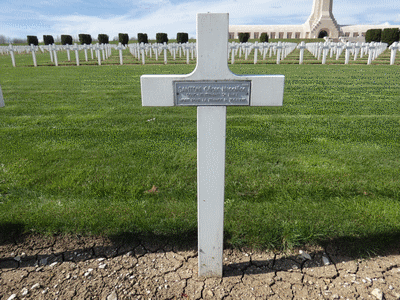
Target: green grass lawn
[(79, 154)]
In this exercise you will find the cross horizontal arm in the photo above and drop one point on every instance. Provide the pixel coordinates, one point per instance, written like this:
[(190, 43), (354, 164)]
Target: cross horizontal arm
[(158, 90), (212, 65)]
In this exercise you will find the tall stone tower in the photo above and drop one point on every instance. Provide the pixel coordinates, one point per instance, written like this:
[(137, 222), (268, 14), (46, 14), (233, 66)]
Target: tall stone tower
[(321, 21)]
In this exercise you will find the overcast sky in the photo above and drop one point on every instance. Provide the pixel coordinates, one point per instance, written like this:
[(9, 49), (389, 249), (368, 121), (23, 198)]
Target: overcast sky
[(19, 18)]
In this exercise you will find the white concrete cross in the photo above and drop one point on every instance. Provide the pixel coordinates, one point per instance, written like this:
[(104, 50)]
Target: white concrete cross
[(85, 49), (278, 55), (348, 47), (91, 50), (301, 46), (256, 47), (155, 49), (339, 49), (393, 49), (1, 98), (319, 50), (76, 49), (142, 48), (173, 47), (68, 48), (97, 50), (120, 48), (247, 49), (325, 49), (164, 48), (50, 48), (33, 49), (233, 47), (265, 47), (192, 50), (357, 48), (371, 53), (53, 49), (11, 51), (103, 51), (186, 47), (211, 87)]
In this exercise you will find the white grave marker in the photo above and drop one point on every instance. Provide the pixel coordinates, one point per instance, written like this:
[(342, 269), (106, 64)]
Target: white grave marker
[(393, 49), (348, 47), (371, 53), (85, 48), (91, 50), (120, 48), (278, 55), (256, 47), (302, 46), (54, 54), (234, 47), (76, 49), (1, 98), (187, 51), (97, 49), (11, 50), (211, 87), (357, 47), (325, 49), (68, 48), (165, 47), (33, 50)]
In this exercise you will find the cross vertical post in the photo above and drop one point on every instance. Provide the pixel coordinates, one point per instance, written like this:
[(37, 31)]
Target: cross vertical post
[(301, 46), (85, 48), (50, 48), (211, 87), (68, 47), (33, 50), (55, 54), (76, 49), (11, 51), (393, 49), (1, 98)]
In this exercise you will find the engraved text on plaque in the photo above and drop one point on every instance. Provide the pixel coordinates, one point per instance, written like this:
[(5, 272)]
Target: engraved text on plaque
[(202, 93)]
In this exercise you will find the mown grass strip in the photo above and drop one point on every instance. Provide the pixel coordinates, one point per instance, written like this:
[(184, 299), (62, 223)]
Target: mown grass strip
[(80, 154)]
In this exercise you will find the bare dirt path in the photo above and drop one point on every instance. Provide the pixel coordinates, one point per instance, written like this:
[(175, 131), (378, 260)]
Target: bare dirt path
[(75, 267)]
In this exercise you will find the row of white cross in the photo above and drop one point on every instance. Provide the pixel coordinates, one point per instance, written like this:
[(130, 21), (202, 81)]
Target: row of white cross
[(357, 50), (281, 50), (141, 51), (100, 50)]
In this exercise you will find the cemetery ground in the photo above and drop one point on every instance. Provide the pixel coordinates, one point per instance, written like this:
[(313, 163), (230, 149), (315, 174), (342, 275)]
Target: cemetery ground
[(87, 173)]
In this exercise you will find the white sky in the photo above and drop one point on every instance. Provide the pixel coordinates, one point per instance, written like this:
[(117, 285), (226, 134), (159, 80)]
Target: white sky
[(19, 18)]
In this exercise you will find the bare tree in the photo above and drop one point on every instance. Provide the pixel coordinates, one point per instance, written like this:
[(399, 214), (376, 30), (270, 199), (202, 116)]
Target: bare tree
[(3, 39), (19, 41)]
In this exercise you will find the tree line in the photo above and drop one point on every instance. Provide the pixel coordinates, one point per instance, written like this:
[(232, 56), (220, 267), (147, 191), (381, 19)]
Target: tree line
[(123, 38), (387, 35)]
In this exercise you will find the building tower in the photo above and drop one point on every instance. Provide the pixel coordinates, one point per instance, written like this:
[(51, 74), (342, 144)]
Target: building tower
[(321, 22)]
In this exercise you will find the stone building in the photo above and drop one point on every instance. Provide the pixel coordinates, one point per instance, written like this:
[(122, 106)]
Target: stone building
[(321, 23)]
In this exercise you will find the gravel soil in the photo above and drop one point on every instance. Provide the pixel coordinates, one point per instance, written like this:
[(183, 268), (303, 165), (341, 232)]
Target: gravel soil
[(74, 267)]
